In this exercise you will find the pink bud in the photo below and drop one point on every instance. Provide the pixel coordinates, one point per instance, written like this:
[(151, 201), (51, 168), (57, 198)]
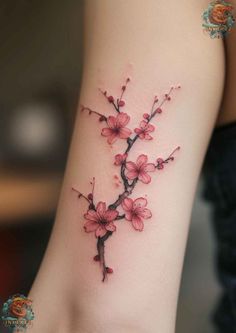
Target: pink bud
[(90, 196), (121, 103), (110, 99), (102, 118), (96, 258), (120, 158), (159, 110), (160, 164), (109, 270), (146, 116)]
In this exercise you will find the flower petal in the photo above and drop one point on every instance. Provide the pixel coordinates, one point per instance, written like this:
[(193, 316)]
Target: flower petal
[(138, 131), (132, 174), (145, 213), (111, 121), (150, 128), (101, 208), (143, 124), (122, 119), (124, 133), (91, 215), (131, 166), (137, 223), (144, 177), (110, 227), (107, 131), (110, 215), (127, 204), (147, 137), (140, 202), (142, 159), (129, 216), (142, 135), (149, 167), (90, 226), (112, 138), (100, 232)]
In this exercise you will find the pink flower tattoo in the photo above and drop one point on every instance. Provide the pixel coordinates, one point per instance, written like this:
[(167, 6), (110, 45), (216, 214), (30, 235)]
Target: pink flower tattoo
[(136, 211), (101, 219), (140, 169), (144, 129), (116, 128)]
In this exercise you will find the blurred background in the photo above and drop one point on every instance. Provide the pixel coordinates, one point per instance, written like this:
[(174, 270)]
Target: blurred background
[(40, 66)]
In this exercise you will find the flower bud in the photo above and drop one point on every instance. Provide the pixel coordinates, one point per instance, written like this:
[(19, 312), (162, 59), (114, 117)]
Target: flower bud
[(102, 118), (160, 163), (90, 196), (110, 99), (109, 270), (96, 258), (121, 103)]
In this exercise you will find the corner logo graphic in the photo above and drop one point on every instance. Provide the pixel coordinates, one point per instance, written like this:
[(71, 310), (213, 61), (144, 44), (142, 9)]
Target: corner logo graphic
[(17, 313), (218, 19)]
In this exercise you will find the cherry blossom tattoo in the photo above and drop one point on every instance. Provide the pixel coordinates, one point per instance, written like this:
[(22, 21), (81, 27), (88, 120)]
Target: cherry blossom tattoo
[(100, 218)]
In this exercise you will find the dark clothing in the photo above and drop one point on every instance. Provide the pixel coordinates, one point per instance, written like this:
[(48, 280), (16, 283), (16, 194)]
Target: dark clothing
[(220, 190)]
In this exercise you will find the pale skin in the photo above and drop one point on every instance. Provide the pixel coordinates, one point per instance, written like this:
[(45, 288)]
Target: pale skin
[(157, 44)]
